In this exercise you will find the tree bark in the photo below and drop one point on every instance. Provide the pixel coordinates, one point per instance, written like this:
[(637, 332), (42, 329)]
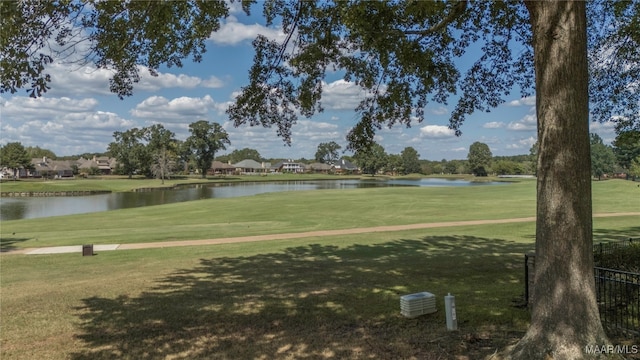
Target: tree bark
[(564, 313)]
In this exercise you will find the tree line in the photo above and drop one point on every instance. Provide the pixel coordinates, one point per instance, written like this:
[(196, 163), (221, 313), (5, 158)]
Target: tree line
[(155, 152)]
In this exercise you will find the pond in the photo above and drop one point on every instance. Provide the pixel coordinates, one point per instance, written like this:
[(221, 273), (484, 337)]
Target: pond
[(37, 207)]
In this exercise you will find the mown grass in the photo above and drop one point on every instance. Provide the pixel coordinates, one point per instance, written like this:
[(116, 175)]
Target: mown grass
[(333, 297), (299, 211)]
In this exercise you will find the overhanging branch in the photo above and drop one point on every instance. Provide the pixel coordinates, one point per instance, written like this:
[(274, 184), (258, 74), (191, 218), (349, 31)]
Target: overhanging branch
[(456, 11)]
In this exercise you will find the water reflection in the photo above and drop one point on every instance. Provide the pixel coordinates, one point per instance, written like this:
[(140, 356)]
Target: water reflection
[(36, 207)]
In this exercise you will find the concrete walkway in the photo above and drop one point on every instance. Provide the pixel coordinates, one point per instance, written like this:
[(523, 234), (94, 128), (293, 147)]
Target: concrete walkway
[(300, 235)]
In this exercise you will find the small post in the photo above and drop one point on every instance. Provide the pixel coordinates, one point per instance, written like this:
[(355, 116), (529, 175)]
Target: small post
[(87, 250), (450, 311)]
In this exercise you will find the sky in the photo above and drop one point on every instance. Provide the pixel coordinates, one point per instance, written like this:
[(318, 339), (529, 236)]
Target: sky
[(79, 115)]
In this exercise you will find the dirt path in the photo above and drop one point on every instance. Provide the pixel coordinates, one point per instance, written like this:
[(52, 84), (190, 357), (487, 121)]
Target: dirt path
[(353, 231), (300, 235)]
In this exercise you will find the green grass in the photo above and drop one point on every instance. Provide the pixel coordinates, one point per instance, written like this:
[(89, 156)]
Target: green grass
[(298, 211), (335, 297), (320, 297)]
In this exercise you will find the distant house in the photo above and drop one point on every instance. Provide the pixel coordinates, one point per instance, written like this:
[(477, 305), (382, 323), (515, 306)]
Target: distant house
[(220, 168), (319, 168), (251, 167), (103, 164), (44, 167), (288, 167), (343, 166)]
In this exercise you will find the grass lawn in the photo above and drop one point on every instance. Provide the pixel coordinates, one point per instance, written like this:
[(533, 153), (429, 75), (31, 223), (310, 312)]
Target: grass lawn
[(331, 297), (299, 211)]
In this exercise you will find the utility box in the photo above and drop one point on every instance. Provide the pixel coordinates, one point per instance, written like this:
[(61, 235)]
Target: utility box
[(417, 304), (87, 250)]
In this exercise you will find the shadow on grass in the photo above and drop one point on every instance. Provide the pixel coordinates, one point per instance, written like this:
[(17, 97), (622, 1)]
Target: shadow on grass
[(316, 301), (608, 235), (7, 245)]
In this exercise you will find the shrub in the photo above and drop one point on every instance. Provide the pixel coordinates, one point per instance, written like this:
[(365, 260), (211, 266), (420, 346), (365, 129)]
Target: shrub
[(625, 258)]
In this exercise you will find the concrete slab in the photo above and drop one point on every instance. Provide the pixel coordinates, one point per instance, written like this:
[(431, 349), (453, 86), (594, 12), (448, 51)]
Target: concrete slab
[(71, 249)]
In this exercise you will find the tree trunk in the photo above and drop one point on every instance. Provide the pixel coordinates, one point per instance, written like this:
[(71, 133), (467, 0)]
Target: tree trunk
[(564, 313)]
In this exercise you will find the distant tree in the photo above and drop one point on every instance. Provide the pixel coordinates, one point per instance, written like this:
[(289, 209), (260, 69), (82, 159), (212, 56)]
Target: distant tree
[(327, 153), (371, 159), (450, 167), (410, 161), (14, 156), (626, 147), (128, 150), (37, 152), (163, 161), (479, 158), (244, 154), (634, 169), (205, 140), (394, 164), (163, 147), (603, 160), (507, 167)]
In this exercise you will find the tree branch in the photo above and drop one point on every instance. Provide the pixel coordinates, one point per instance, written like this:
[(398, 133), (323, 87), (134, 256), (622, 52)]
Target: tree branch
[(456, 11)]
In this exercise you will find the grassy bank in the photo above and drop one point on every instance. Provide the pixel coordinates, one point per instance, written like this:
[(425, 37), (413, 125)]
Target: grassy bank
[(123, 183), (298, 211)]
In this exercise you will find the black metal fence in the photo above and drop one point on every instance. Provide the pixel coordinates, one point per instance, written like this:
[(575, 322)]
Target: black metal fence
[(618, 294), (603, 249), (617, 291)]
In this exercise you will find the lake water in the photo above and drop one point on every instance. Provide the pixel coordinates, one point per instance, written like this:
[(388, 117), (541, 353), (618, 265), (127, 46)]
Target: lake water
[(37, 207)]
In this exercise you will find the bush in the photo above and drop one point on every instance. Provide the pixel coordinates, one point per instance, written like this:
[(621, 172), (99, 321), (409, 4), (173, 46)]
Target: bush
[(625, 258)]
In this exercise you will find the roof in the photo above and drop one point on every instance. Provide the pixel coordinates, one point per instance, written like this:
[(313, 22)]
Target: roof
[(221, 165), (248, 164), (320, 166)]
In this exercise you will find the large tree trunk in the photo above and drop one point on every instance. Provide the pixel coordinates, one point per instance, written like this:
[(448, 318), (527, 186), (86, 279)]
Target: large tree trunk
[(564, 313)]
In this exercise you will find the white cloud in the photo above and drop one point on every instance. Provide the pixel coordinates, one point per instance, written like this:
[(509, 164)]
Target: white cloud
[(525, 143), (182, 109), (233, 32), (527, 101), (26, 108), (167, 80), (493, 125), (436, 132), (63, 125), (528, 123), (86, 80), (441, 110), (341, 95)]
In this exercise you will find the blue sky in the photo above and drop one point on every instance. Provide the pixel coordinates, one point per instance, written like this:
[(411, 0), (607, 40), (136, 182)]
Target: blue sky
[(80, 115)]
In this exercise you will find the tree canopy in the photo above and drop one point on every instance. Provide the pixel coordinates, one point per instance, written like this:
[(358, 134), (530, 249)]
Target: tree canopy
[(205, 140), (479, 158), (327, 152)]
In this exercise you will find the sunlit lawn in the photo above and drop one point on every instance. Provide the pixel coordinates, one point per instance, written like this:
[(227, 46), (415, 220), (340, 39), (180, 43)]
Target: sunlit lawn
[(333, 297)]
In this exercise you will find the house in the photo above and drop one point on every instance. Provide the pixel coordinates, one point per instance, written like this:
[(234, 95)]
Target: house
[(102, 164), (288, 167), (319, 168), (44, 167), (343, 166), (220, 168), (251, 167)]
